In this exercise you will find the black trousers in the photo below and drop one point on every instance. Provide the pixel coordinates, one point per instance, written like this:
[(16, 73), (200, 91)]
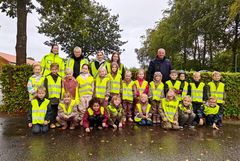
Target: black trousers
[(39, 128), (95, 121)]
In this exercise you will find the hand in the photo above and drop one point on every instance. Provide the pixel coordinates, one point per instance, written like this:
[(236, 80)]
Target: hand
[(188, 111), (214, 126), (106, 98), (104, 124), (65, 117), (201, 122), (45, 122), (29, 124), (175, 122), (164, 119), (87, 129)]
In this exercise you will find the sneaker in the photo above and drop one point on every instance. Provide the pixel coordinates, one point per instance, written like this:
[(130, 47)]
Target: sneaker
[(57, 124), (64, 127), (100, 127), (72, 127), (52, 126), (130, 119), (191, 127)]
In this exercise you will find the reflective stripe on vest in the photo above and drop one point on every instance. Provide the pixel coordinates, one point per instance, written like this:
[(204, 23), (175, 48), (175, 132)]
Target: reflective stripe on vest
[(139, 108), (210, 110), (142, 88), (127, 91), (170, 108), (101, 87), (54, 88), (39, 113), (217, 92), (183, 108), (156, 92), (185, 89), (36, 84), (85, 86), (70, 107), (108, 65), (113, 109), (176, 85), (197, 93), (91, 112), (70, 63), (115, 83)]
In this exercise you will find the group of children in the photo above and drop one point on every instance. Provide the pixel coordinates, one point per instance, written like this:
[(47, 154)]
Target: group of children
[(109, 101)]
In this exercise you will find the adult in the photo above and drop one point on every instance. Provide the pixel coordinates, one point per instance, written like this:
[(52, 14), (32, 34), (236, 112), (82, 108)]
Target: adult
[(76, 61), (96, 64), (159, 64), (116, 58), (52, 57)]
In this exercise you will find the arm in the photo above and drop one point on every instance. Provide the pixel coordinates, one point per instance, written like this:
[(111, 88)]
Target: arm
[(175, 119), (123, 72), (85, 120), (48, 113), (30, 87), (29, 114), (106, 116), (161, 112), (150, 72), (189, 90), (46, 86), (205, 93), (108, 89), (43, 64), (146, 91)]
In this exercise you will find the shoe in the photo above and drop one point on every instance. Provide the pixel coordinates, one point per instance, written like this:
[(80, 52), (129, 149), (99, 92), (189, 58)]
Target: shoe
[(64, 127), (130, 119), (57, 124), (52, 126), (191, 127), (72, 127), (158, 121), (100, 127)]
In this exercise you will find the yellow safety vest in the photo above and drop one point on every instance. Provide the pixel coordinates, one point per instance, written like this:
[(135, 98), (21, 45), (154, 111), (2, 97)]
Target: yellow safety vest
[(183, 108), (39, 113), (175, 86), (70, 108), (139, 108), (197, 93), (54, 88), (95, 70), (127, 91), (85, 86), (101, 87), (156, 91), (170, 108), (113, 109), (70, 63), (36, 84), (115, 83), (48, 60), (217, 92), (210, 110), (141, 88), (120, 69), (91, 112), (185, 89)]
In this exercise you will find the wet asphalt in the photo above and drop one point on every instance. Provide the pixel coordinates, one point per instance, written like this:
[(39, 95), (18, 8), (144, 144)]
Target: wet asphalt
[(132, 143)]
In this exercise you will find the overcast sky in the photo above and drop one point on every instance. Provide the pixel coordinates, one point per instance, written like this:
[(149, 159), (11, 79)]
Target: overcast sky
[(135, 16)]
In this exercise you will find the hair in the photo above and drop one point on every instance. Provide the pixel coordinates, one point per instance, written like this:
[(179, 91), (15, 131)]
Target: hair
[(77, 48), (36, 65), (41, 88), (103, 68), (187, 97), (141, 70), (215, 73), (54, 65), (143, 95), (173, 90), (93, 101), (116, 64), (86, 65), (53, 46), (67, 94), (115, 97), (195, 73), (173, 71), (157, 74), (128, 72), (68, 71), (212, 98), (119, 61)]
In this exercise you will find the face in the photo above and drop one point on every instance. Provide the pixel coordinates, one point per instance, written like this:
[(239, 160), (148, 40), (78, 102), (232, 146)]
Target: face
[(37, 70), (212, 102), (186, 102), (69, 75), (114, 68), (54, 70), (216, 77), (96, 106), (158, 78), (144, 98), (66, 99), (161, 54), (102, 73), (99, 56), (141, 75), (128, 77), (77, 53), (41, 94), (173, 76), (115, 57), (197, 77), (85, 69), (170, 94), (55, 49), (182, 77), (117, 102)]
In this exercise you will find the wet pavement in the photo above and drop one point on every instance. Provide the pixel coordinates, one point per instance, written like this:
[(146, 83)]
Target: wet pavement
[(131, 143)]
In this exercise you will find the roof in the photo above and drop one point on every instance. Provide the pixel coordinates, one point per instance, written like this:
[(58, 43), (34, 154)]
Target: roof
[(12, 58)]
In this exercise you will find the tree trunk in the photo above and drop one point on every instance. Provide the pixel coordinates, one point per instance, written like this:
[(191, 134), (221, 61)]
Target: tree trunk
[(204, 50), (235, 42), (21, 32), (210, 51)]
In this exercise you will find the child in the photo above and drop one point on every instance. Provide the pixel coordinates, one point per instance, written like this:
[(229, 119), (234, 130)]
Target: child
[(115, 80), (169, 111), (95, 115), (217, 89), (143, 111), (128, 94), (115, 112), (211, 112), (173, 83), (69, 82), (67, 112), (186, 115), (184, 84), (141, 83), (39, 113), (84, 90), (53, 84), (102, 87), (156, 94), (35, 81)]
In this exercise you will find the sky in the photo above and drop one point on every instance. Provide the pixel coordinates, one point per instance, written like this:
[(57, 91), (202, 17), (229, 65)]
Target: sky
[(135, 17)]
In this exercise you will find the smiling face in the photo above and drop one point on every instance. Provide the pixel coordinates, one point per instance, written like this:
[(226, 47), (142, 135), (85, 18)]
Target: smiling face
[(85, 69), (37, 70), (128, 76), (186, 102), (161, 53), (54, 70), (182, 77), (96, 107), (41, 94), (114, 68), (102, 72), (216, 77), (55, 49), (144, 98), (173, 76), (100, 56), (117, 101), (212, 102), (77, 53), (67, 98), (171, 94), (197, 76), (115, 57), (140, 74)]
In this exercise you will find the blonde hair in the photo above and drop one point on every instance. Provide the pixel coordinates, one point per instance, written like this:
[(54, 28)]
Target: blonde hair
[(54, 65), (36, 65), (104, 69), (128, 72), (41, 88), (216, 73), (144, 95), (115, 97), (68, 71), (187, 97), (67, 94), (196, 73)]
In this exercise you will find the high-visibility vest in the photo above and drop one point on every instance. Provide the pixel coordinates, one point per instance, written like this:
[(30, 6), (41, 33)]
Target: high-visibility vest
[(170, 108), (113, 109), (210, 110), (54, 88), (39, 112), (85, 86), (156, 91), (185, 89), (115, 83), (176, 85), (217, 92), (36, 84), (101, 87), (95, 70), (48, 60), (120, 69), (127, 91), (139, 108), (141, 88), (197, 93), (91, 112), (184, 108), (70, 107), (70, 63)]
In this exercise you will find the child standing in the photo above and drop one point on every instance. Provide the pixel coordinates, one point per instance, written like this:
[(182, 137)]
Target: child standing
[(39, 113), (210, 111), (184, 84), (115, 112), (115, 80), (169, 111), (69, 82), (173, 83), (128, 94), (67, 112), (156, 94), (186, 114), (53, 84), (84, 90), (143, 111), (141, 83), (35, 81), (95, 115)]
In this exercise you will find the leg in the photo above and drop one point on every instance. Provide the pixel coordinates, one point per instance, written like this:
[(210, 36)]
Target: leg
[(44, 129), (142, 122), (82, 107), (92, 121), (54, 112), (191, 117), (175, 126), (73, 122), (99, 120), (209, 120), (166, 125), (154, 111), (129, 111), (149, 122), (36, 129), (183, 117)]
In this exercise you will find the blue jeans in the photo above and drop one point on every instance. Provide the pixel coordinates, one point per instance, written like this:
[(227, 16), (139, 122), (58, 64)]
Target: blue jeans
[(38, 128), (145, 122)]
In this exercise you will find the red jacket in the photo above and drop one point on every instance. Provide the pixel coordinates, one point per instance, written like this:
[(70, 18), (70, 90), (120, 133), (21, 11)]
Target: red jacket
[(146, 91)]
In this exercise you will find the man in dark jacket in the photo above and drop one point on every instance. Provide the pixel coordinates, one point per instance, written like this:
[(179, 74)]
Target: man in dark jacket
[(159, 64)]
